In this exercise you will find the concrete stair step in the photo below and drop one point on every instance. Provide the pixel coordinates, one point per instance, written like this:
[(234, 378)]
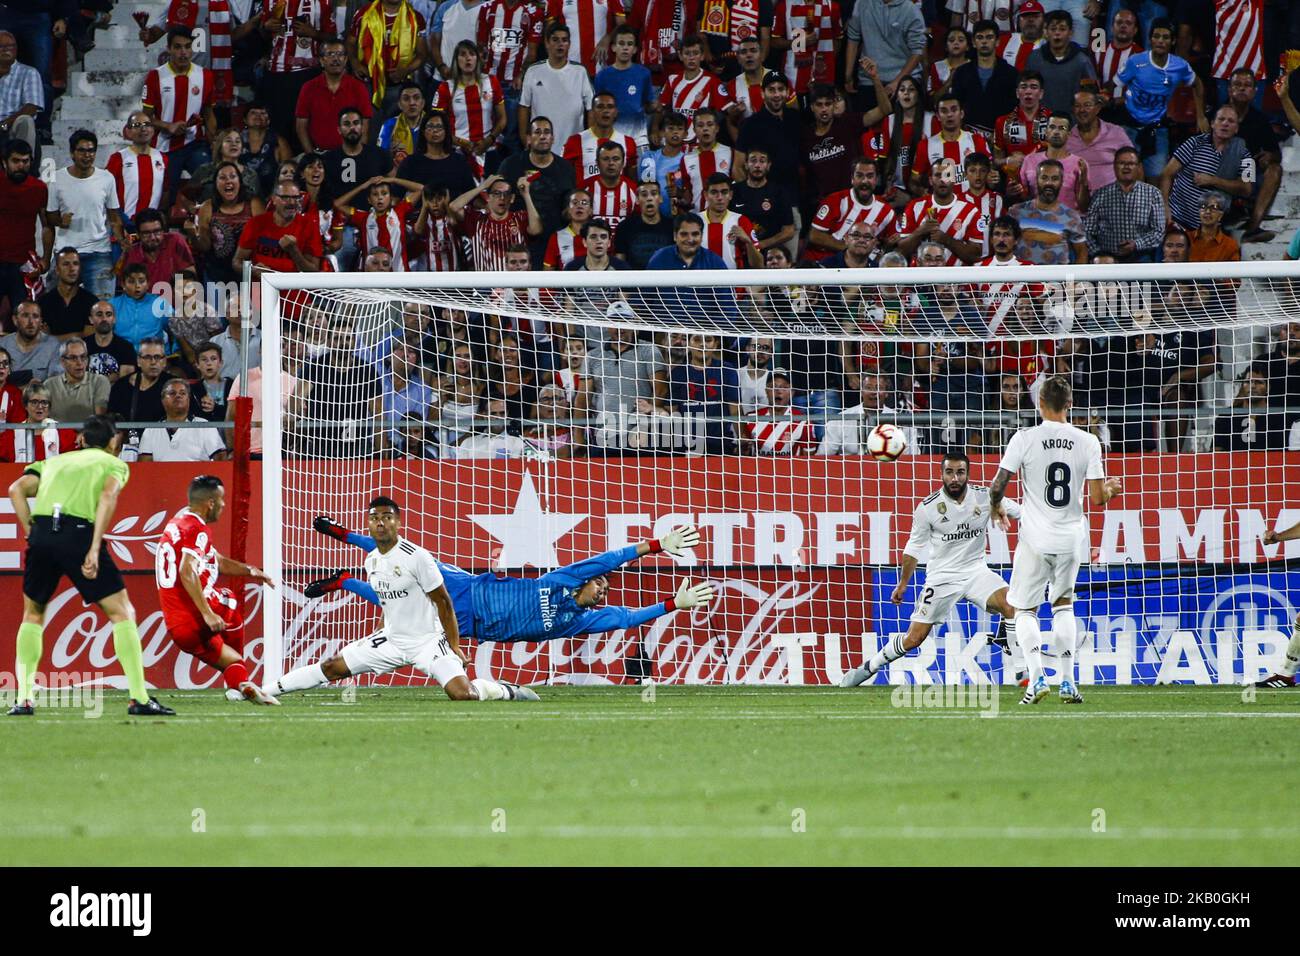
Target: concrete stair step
[(84, 108), (106, 84), (136, 59), (119, 36)]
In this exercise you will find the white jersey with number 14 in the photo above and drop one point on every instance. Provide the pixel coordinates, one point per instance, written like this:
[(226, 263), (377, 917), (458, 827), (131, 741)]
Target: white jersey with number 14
[(1054, 461), (402, 579)]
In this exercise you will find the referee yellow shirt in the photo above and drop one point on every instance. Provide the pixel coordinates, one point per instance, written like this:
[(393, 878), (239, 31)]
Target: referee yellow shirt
[(75, 480)]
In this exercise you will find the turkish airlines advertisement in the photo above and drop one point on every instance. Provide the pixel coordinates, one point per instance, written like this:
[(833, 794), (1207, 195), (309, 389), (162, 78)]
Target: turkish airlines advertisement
[(1180, 587)]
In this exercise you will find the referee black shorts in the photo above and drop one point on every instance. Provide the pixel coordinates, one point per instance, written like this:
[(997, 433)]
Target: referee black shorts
[(53, 554)]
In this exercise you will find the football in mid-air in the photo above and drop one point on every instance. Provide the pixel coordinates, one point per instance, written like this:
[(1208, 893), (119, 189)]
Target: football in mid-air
[(886, 442)]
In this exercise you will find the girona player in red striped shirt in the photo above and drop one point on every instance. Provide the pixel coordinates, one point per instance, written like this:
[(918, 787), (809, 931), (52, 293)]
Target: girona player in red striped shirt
[(951, 142), (580, 149), (942, 217), (613, 195), (592, 24), (203, 620), (726, 232), (842, 210)]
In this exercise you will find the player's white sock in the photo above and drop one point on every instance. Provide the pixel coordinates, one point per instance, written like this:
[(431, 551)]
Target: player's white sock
[(1292, 658), (890, 652), (1031, 639), (1065, 630), (489, 689), (1011, 631), (302, 678)]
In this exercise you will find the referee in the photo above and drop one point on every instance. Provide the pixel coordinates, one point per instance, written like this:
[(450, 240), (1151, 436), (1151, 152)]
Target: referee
[(76, 495)]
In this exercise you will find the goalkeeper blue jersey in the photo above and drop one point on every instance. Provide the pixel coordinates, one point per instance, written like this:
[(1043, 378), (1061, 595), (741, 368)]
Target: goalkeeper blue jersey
[(492, 607)]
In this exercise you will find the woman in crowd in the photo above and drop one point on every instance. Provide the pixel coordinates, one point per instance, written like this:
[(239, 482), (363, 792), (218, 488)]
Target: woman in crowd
[(438, 161), (475, 104), (214, 230)]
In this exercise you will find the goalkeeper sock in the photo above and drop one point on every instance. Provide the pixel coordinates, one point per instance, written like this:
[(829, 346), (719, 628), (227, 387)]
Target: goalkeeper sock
[(1065, 631), (302, 678), (490, 689), (890, 652), (126, 645), (28, 658), (235, 674), (1031, 639), (1289, 662)]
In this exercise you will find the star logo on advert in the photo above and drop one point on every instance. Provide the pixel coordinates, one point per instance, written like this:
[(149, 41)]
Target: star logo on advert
[(528, 534)]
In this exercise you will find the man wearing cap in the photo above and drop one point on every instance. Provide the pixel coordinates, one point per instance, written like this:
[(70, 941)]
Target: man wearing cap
[(1016, 47)]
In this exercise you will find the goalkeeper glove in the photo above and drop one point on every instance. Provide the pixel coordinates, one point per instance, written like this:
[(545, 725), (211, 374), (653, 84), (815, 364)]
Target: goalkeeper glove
[(326, 526), (677, 541), (688, 597)]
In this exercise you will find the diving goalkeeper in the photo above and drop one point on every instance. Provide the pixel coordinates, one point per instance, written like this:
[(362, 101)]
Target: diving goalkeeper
[(561, 603)]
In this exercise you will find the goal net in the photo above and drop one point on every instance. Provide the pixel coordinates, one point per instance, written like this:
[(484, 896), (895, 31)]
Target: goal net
[(528, 421)]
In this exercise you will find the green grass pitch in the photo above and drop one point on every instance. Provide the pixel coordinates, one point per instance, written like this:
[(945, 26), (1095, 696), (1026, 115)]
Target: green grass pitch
[(601, 776)]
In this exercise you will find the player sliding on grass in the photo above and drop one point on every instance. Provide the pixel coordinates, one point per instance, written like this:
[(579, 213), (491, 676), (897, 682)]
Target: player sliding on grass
[(561, 603), (203, 620), (1286, 676), (420, 628), (953, 525), (1053, 459)]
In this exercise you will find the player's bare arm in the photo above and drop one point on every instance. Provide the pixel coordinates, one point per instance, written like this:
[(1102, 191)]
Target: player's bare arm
[(238, 569), (447, 617), (998, 491), (905, 572), (1270, 536), (1102, 490), (189, 577)]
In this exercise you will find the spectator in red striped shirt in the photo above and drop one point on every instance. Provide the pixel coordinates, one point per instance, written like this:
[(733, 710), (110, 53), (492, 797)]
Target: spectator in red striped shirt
[(613, 195), (178, 97), (785, 429), (1123, 44), (139, 170), (952, 142), (385, 222), (580, 149), (436, 232), (493, 231), (567, 244), (726, 232)]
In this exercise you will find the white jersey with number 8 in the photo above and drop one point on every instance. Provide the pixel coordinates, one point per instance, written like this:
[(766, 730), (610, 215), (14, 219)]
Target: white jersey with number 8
[(1055, 461)]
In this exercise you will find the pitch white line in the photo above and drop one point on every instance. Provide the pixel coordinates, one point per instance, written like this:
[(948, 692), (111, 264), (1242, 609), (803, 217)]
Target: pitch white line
[(650, 832)]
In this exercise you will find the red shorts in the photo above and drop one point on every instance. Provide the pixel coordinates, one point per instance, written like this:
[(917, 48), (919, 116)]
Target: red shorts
[(198, 640)]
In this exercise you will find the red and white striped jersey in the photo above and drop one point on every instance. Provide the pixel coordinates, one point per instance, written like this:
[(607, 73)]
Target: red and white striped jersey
[(998, 299), (959, 219), (937, 76), (489, 238), (1017, 133), (877, 140), (936, 148), (688, 96), (588, 22), (441, 245), (563, 247), (749, 96), (470, 107), (216, 17), (716, 238), (186, 534), (1109, 63), (139, 179), (387, 230), (504, 33), (1239, 37), (780, 437), (611, 203), (1013, 48), (973, 11), (289, 53), (990, 205), (700, 164), (809, 25), (581, 148), (841, 210), (176, 98)]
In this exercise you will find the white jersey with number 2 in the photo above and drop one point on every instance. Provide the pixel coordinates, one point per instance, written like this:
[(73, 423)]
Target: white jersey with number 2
[(1054, 461)]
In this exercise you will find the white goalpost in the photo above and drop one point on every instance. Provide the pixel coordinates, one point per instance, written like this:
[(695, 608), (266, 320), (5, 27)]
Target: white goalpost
[(526, 421)]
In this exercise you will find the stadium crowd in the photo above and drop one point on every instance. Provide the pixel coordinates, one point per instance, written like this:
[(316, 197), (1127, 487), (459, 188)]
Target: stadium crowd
[(590, 135)]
